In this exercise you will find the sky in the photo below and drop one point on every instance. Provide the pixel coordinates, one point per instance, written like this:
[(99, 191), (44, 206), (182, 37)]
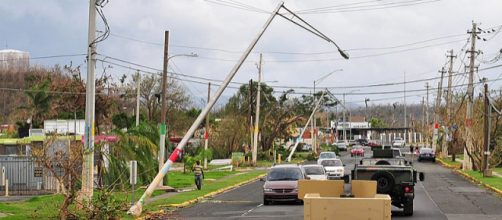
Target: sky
[(389, 41)]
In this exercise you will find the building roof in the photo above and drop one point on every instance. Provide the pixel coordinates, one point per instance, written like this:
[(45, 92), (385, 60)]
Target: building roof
[(356, 118)]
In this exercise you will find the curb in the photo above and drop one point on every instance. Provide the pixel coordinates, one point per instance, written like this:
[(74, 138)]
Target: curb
[(457, 170), (472, 179), (189, 202), (442, 163)]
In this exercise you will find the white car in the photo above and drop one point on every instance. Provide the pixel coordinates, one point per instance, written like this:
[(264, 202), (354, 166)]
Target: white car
[(334, 168), (315, 172), (341, 145), (398, 142), (326, 155)]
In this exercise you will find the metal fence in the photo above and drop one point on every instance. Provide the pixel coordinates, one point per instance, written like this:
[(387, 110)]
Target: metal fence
[(26, 176)]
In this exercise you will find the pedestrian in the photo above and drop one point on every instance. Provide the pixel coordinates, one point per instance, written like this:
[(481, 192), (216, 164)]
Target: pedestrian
[(199, 174)]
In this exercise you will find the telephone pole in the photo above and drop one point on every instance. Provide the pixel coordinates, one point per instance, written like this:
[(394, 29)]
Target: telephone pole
[(163, 111), (427, 125), (138, 88), (405, 122), (467, 164), (447, 143), (257, 117), (206, 133), (486, 148), (344, 120), (90, 101), (436, 112), (250, 114)]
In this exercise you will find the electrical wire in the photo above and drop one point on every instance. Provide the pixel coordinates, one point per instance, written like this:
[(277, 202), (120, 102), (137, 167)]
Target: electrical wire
[(369, 7), (49, 57)]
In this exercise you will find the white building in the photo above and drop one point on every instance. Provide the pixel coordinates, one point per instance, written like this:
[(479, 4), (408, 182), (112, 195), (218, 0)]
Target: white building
[(14, 60)]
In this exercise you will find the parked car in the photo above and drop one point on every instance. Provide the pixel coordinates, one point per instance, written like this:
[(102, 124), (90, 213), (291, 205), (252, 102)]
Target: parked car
[(398, 142), (426, 154), (281, 183), (352, 142), (334, 168), (341, 145), (315, 172), (357, 150)]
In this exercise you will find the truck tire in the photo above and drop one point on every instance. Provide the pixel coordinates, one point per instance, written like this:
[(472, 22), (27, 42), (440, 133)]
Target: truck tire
[(408, 208), (385, 181)]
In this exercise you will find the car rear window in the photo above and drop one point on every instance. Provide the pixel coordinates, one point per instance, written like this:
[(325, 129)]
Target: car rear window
[(317, 170), (331, 163), (327, 155), (286, 173), (426, 150)]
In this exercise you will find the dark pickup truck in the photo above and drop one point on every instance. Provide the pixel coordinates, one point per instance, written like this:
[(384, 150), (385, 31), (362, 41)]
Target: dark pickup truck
[(394, 175)]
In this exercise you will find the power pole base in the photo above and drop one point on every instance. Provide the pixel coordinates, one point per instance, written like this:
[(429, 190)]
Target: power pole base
[(487, 173)]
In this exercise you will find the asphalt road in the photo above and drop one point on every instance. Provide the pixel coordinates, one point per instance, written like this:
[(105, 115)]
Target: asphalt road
[(443, 195)]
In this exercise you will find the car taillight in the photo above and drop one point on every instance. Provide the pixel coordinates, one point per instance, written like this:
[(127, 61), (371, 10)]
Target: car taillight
[(408, 189)]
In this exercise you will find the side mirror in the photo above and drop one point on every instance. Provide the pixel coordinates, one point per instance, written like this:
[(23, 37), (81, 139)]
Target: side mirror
[(344, 165), (307, 177), (421, 176), (262, 179)]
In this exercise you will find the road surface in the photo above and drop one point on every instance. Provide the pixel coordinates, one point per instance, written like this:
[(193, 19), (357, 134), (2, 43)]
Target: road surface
[(443, 195)]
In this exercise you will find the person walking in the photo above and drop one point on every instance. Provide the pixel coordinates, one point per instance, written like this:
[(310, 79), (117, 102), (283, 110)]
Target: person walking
[(199, 174)]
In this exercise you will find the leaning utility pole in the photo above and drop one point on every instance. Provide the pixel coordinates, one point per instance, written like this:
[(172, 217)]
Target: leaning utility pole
[(447, 143), (206, 133), (436, 112), (257, 117), (138, 88), (163, 111), (90, 101), (468, 149)]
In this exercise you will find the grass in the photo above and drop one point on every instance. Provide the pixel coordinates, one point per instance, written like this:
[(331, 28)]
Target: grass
[(207, 187), (47, 206), (493, 181), (498, 170), (451, 163)]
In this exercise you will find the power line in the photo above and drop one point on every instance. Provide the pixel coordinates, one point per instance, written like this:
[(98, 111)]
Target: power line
[(47, 57)]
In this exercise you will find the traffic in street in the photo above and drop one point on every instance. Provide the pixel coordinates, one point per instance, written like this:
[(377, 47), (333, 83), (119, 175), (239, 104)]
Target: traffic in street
[(439, 196)]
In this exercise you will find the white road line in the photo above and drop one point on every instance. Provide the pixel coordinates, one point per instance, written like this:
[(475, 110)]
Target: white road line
[(249, 211)]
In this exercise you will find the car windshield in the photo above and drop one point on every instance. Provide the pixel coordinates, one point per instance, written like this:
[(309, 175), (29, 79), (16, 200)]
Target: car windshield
[(426, 150), (327, 155), (332, 163), (317, 170), (357, 147), (280, 174), (397, 139)]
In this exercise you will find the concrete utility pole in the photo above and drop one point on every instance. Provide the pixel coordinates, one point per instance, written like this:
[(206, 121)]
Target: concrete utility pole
[(206, 135), (467, 164), (427, 125), (138, 88), (405, 121), (447, 143), (436, 112), (90, 101), (344, 121), (250, 114), (257, 117), (163, 111), (424, 126), (486, 151)]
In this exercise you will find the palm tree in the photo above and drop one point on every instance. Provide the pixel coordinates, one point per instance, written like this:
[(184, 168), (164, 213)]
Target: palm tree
[(39, 101)]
